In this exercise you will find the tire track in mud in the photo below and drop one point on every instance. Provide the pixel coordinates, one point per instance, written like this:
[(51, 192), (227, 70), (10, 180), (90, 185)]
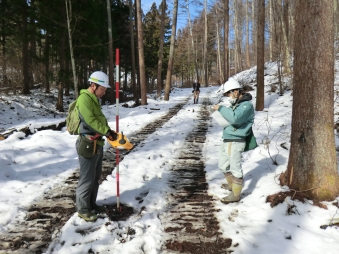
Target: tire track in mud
[(190, 222), (44, 219)]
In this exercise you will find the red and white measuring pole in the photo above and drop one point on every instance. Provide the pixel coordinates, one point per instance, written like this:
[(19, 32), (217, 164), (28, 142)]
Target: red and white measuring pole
[(117, 87)]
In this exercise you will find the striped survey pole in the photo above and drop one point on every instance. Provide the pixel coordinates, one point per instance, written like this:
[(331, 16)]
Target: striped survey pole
[(117, 79)]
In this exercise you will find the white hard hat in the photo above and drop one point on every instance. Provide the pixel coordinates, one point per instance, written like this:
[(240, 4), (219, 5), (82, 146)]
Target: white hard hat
[(100, 78), (231, 84)]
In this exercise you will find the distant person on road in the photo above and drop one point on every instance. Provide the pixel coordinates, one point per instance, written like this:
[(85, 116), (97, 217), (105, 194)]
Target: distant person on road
[(240, 117), (196, 91), (89, 145)]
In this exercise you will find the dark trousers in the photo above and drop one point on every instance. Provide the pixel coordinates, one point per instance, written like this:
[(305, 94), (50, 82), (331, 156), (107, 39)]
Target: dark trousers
[(88, 185)]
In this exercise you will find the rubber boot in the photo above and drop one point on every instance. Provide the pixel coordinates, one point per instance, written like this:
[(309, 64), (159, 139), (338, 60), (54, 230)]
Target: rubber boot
[(236, 191), (88, 216), (228, 184)]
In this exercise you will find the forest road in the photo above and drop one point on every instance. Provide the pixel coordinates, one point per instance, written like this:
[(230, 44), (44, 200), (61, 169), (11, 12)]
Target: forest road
[(44, 219), (189, 222)]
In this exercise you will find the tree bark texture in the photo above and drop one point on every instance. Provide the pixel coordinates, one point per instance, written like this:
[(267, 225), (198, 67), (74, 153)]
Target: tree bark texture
[(226, 46), (171, 54), (271, 29), (285, 29), (260, 55), (25, 72), (205, 46), (238, 37), (312, 165), (69, 29), (218, 47), (131, 28), (193, 44), (4, 48), (111, 94), (142, 69), (336, 17), (61, 74), (254, 31), (161, 47), (248, 63), (46, 61)]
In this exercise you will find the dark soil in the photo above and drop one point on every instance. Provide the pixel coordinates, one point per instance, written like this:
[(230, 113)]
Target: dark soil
[(279, 198), (217, 247), (119, 214)]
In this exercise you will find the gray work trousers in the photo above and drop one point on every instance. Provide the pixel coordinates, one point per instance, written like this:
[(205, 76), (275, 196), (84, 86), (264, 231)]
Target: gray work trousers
[(230, 158), (88, 185)]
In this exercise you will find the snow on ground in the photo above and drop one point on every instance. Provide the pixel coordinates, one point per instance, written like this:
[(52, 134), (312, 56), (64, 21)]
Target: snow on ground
[(30, 166)]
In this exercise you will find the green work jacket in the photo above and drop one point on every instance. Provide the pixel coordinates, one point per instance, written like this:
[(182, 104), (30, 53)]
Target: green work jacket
[(93, 121)]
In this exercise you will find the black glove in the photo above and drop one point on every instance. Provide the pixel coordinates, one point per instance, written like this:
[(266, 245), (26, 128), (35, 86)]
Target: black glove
[(112, 135)]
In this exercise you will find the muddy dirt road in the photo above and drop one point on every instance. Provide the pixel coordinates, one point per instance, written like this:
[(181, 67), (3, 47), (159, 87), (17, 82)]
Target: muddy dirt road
[(190, 221)]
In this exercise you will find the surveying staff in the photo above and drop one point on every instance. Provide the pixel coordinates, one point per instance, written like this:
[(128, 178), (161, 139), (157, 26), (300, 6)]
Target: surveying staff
[(196, 91), (241, 117), (89, 145)]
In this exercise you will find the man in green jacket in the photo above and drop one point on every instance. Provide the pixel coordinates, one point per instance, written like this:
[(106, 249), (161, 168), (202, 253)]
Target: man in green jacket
[(89, 145), (240, 117)]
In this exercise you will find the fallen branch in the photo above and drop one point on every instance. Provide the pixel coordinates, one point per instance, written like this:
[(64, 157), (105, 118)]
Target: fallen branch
[(4, 135)]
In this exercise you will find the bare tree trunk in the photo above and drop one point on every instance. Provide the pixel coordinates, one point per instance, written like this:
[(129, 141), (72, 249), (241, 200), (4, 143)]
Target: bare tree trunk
[(171, 54), (67, 81), (260, 55), (276, 38), (205, 46), (25, 89), (248, 62), (312, 166), (32, 49), (135, 90), (142, 71), (4, 47), (287, 55), (193, 44), (190, 74), (235, 22), (46, 61), (61, 73), (161, 48), (336, 18), (69, 19), (254, 30), (291, 30), (226, 46), (137, 61), (218, 45), (110, 96), (271, 24), (237, 41), (281, 88)]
